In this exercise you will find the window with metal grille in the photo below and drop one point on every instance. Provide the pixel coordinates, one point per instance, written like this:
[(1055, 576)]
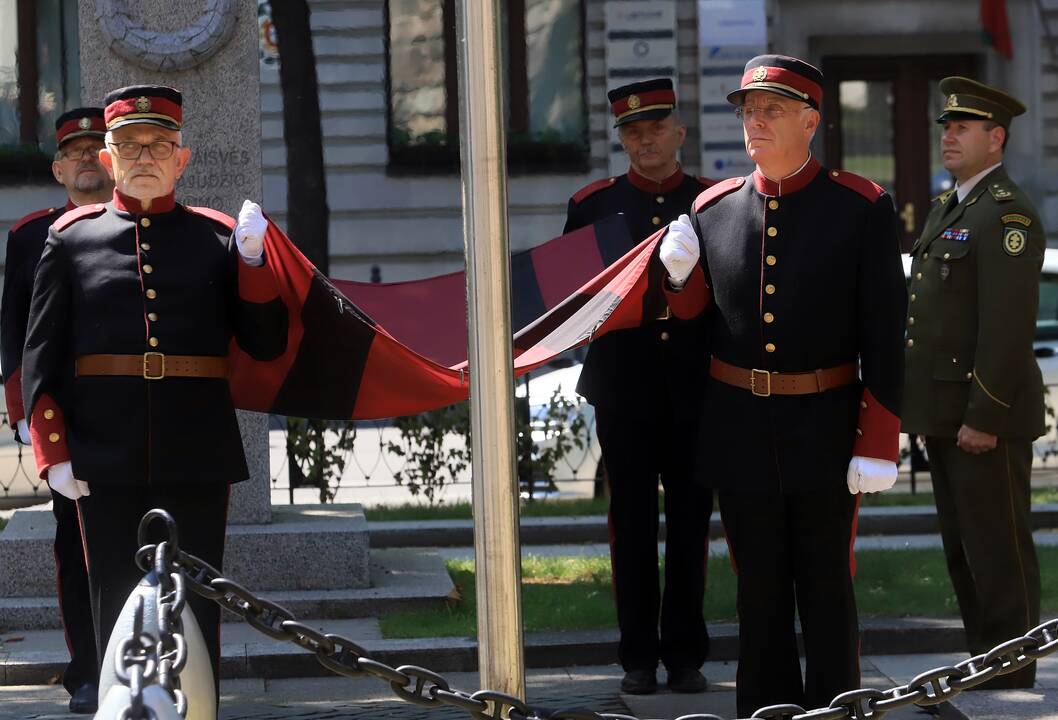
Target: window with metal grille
[(543, 58)]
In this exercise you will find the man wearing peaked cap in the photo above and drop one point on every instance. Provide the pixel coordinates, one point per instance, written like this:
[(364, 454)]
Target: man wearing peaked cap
[(973, 388), (79, 136), (645, 384), (796, 272), (781, 75), (134, 306)]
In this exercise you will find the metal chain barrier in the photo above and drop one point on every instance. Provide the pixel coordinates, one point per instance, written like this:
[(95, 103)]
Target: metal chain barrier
[(422, 686)]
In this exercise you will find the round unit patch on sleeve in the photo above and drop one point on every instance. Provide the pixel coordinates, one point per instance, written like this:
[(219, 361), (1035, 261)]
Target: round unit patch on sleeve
[(1015, 240)]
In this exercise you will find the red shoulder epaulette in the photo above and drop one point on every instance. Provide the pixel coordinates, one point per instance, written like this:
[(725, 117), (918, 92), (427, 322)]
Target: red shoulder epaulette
[(592, 188), (69, 218), (33, 216), (718, 191), (215, 215), (706, 182), (860, 184)]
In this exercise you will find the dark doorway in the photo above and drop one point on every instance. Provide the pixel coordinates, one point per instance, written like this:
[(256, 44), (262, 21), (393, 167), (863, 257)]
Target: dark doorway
[(879, 121)]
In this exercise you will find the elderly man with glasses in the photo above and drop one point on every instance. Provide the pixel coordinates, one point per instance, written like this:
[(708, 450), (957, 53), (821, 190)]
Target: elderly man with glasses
[(796, 271), (79, 136), (125, 378)]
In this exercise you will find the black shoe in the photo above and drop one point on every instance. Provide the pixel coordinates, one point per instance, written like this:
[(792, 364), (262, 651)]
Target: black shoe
[(639, 682), (687, 680), (85, 699)]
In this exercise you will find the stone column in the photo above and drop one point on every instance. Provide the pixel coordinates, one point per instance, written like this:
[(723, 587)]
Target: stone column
[(207, 49)]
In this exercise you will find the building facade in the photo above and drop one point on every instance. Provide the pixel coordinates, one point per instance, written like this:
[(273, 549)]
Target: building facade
[(386, 70)]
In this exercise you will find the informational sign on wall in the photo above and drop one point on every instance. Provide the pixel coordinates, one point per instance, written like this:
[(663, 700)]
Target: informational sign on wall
[(640, 45), (730, 32)]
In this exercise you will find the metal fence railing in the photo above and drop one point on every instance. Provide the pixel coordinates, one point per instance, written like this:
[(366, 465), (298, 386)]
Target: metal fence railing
[(371, 462)]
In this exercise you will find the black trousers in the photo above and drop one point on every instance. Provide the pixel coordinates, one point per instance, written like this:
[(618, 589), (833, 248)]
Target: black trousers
[(75, 607), (984, 507), (638, 449), (110, 517), (793, 552)]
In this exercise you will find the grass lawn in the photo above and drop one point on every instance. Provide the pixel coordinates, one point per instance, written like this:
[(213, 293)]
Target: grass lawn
[(598, 506), (575, 593)]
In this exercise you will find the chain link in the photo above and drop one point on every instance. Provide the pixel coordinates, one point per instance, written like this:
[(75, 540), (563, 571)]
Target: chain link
[(140, 658), (424, 687)]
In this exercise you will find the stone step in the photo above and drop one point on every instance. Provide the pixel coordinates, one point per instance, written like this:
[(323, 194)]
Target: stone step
[(305, 547), (400, 579), (248, 654), (1031, 704)]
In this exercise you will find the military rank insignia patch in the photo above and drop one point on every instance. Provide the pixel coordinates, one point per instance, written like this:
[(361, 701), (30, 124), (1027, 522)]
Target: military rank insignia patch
[(1015, 241), (1000, 193), (956, 234), (1017, 218)]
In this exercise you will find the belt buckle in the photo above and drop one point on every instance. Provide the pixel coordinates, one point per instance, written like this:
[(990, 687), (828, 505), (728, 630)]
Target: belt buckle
[(147, 365), (753, 375), (667, 315)]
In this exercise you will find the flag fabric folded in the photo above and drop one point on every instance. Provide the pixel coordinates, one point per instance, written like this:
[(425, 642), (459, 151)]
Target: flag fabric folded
[(400, 349)]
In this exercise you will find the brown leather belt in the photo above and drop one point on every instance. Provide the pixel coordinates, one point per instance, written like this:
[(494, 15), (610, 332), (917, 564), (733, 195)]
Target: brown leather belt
[(153, 366), (763, 383)]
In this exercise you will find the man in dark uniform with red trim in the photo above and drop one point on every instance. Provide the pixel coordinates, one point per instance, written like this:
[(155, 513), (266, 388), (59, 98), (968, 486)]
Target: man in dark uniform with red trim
[(79, 136), (645, 385), (125, 375), (796, 271)]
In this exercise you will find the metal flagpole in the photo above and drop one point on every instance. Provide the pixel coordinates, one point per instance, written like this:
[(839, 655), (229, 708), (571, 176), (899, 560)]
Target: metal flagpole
[(497, 550)]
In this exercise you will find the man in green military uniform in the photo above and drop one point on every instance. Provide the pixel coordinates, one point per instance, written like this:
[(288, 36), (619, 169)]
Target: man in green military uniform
[(972, 385)]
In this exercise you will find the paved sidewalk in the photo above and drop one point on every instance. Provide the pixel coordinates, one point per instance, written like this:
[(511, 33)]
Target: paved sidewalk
[(585, 686)]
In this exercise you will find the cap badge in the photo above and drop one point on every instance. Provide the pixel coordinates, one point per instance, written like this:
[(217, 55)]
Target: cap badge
[(84, 123), (634, 102), (760, 73), (953, 101), (143, 104)]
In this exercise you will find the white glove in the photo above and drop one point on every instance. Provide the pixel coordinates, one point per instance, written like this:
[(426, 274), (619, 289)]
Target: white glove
[(867, 475), (679, 250), (23, 432), (250, 231), (62, 481)]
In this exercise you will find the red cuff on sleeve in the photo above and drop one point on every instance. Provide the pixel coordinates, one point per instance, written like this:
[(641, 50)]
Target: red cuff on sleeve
[(878, 433), (47, 428), (16, 410), (257, 284), (692, 299)]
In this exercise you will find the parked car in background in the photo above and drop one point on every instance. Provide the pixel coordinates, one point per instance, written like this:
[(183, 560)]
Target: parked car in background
[(559, 380)]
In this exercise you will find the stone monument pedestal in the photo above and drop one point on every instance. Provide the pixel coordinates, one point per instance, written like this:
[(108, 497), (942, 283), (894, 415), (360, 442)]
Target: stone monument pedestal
[(306, 555)]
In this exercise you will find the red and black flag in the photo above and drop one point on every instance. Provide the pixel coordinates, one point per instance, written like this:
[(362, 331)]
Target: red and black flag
[(343, 360), (430, 315), (996, 26)]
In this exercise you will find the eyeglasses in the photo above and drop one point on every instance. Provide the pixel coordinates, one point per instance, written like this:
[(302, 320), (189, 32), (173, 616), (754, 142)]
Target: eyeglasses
[(159, 149), (772, 112), (85, 153)]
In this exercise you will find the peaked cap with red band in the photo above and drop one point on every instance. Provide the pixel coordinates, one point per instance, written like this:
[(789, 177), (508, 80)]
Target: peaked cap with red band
[(646, 100), (150, 104), (80, 122), (782, 75)]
